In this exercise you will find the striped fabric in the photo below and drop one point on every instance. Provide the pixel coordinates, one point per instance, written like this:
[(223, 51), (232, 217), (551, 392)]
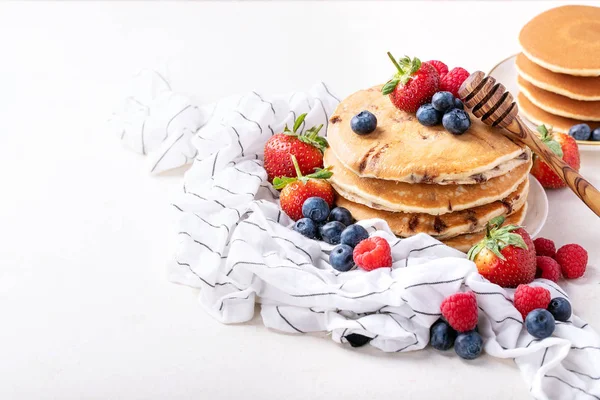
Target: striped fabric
[(237, 247)]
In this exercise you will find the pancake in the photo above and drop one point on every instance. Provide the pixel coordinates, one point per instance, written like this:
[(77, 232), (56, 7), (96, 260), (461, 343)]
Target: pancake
[(442, 226), (401, 149), (560, 105), (421, 197), (465, 242), (574, 87), (565, 40), (539, 116)]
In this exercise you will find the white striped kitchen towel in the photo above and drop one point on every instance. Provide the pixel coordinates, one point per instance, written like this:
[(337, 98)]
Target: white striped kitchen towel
[(237, 247)]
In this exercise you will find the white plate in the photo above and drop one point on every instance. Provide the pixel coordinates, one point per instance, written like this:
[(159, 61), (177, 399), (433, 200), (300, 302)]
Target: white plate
[(506, 73), (537, 208)]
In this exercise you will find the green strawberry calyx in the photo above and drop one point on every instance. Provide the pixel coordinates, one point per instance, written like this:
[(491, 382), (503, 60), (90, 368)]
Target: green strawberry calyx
[(320, 173), (497, 238), (548, 139), (310, 136), (406, 68)]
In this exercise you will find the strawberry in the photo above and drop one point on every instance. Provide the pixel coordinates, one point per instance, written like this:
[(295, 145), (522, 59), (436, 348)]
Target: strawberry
[(563, 146), (308, 148), (413, 85), (294, 191), (452, 80), (506, 256)]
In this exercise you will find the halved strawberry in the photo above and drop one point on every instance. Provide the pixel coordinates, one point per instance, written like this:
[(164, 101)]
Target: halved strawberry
[(294, 191), (563, 146)]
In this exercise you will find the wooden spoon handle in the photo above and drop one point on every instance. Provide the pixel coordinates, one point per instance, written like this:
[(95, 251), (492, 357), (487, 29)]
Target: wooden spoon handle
[(578, 184)]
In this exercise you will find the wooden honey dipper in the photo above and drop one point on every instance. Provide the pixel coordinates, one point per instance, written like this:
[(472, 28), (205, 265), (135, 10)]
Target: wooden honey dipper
[(495, 106)]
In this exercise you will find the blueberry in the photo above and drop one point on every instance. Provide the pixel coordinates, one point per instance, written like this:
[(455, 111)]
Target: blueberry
[(357, 340), (442, 335), (580, 132), (353, 235), (456, 121), (363, 123), (307, 227), (443, 101), (331, 232), (341, 214), (560, 308), (539, 323), (340, 258), (468, 345), (316, 209), (428, 116), (596, 135), (458, 104)]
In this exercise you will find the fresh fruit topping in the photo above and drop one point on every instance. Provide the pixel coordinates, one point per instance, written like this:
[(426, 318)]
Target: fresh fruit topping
[(458, 104), (580, 132), (441, 335), (353, 235), (506, 256), (440, 67), (331, 232), (460, 310), (547, 268), (596, 135), (341, 214), (427, 115), (357, 340), (295, 191), (306, 227), (468, 345), (564, 147), (453, 79), (373, 253), (528, 298), (573, 260), (560, 308), (443, 101), (544, 247), (316, 209), (363, 123), (540, 323), (456, 121), (413, 84), (341, 258), (307, 147)]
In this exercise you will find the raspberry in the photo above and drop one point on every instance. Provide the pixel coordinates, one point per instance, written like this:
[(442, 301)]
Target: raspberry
[(544, 247), (441, 68), (573, 260), (547, 268), (373, 253), (528, 298), (453, 79), (460, 310)]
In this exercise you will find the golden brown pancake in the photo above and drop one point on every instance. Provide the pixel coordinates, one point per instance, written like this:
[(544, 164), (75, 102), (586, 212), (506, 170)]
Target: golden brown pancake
[(539, 116), (565, 40), (466, 241), (575, 87), (401, 149), (442, 226), (405, 197), (560, 105)]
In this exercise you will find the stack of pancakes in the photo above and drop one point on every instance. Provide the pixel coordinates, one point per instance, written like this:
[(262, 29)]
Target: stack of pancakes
[(424, 179), (559, 69)]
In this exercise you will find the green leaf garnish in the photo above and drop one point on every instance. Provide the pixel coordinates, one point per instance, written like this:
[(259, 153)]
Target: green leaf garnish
[(406, 68)]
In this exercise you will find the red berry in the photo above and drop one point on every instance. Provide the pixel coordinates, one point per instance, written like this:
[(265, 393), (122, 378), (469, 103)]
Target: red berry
[(547, 268), (439, 66), (460, 310), (544, 247), (528, 298), (573, 260), (452, 80), (373, 253), (542, 171)]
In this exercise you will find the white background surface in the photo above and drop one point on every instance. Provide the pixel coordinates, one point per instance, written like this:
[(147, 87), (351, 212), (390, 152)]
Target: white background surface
[(85, 307)]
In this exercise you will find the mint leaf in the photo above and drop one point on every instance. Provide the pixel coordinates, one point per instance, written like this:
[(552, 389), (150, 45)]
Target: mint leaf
[(390, 86), (555, 147)]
